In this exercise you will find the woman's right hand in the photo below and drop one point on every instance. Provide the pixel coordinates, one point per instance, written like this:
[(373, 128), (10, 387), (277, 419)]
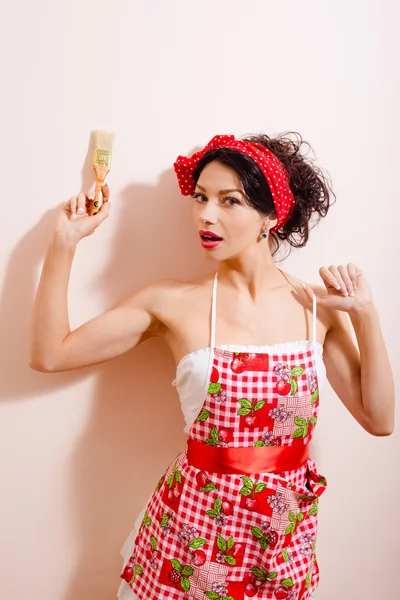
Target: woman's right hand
[(74, 221)]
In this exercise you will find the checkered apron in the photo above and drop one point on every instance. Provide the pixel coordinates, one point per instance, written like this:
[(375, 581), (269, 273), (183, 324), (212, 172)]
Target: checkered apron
[(218, 528)]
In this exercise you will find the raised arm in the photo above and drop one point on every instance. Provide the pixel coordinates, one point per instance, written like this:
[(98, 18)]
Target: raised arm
[(52, 345), (361, 377)]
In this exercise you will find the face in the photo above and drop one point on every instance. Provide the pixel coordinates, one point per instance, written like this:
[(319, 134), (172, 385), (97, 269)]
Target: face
[(220, 207)]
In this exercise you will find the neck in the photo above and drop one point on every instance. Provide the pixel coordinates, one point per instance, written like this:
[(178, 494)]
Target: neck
[(250, 279)]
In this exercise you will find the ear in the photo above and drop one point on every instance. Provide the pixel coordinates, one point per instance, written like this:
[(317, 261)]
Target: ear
[(270, 223)]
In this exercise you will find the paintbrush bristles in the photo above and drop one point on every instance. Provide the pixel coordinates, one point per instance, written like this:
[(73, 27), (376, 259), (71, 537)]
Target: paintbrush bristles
[(104, 139)]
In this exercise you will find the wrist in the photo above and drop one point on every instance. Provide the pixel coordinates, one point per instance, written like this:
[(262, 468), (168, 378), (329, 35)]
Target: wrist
[(363, 312), (62, 239)]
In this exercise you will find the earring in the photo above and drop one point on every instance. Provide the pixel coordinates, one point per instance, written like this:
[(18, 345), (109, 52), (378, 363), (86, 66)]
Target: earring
[(264, 234)]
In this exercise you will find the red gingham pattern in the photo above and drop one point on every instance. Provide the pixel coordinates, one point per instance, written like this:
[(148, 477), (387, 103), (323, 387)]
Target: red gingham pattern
[(174, 521), (260, 386)]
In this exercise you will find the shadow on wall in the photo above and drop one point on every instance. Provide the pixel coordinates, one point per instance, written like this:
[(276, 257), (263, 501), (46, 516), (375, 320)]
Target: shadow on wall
[(134, 428)]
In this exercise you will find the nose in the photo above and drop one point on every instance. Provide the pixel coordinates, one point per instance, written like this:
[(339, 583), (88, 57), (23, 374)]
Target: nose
[(209, 212)]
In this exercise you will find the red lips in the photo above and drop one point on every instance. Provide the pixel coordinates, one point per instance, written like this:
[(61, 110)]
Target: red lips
[(209, 234)]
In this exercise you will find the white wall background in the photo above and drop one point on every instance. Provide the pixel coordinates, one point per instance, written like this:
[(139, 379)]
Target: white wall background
[(80, 452)]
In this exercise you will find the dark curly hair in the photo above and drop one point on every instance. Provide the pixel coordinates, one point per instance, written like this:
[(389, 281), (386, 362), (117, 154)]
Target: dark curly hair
[(310, 185)]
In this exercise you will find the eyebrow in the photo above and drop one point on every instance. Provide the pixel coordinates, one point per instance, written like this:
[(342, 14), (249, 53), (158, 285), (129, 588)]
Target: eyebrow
[(221, 191)]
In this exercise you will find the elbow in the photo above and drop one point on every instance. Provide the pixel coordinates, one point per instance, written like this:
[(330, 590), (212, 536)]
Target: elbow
[(384, 432), (380, 429), (379, 423), (41, 366)]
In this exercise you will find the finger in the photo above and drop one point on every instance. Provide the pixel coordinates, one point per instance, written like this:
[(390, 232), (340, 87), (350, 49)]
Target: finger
[(346, 279), (354, 272), (321, 297), (106, 193), (81, 204), (102, 214), (72, 206), (309, 292), (329, 279), (335, 272)]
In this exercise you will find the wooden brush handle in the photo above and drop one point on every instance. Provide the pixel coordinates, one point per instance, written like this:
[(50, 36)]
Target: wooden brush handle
[(101, 173), (97, 200)]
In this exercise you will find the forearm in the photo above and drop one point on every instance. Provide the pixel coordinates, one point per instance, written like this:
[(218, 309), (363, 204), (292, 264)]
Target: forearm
[(49, 319), (377, 385)]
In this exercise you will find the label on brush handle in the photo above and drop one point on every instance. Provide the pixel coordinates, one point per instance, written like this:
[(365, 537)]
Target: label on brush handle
[(102, 158)]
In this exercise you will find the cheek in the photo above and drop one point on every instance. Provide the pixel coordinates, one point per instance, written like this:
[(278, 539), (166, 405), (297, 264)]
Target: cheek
[(243, 229), (196, 214)]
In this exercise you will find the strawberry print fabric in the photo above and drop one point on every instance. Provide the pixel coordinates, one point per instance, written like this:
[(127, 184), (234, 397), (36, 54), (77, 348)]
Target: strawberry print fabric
[(234, 536)]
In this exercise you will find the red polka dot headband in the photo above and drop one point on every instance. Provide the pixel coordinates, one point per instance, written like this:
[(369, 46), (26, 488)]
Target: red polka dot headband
[(273, 170)]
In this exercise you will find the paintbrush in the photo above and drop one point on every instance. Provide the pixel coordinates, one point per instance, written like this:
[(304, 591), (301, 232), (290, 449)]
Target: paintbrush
[(101, 165)]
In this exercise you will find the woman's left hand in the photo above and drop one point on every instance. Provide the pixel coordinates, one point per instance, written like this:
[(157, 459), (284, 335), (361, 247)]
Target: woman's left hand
[(347, 288)]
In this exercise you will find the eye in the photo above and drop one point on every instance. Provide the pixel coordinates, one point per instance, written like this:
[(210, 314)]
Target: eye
[(196, 195), (231, 201)]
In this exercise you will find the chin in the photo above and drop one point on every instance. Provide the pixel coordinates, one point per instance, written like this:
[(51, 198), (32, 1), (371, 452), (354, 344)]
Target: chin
[(208, 256)]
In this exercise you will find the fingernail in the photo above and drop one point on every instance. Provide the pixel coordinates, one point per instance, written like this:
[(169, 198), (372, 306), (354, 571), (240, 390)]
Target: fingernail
[(80, 210)]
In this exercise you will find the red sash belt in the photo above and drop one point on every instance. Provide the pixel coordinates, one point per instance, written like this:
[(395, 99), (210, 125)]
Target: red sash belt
[(246, 460)]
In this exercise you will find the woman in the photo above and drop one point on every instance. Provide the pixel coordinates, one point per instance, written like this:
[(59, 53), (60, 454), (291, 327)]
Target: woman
[(235, 514)]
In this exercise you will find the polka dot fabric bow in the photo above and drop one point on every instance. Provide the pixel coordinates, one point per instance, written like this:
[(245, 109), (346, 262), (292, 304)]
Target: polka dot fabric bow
[(273, 170)]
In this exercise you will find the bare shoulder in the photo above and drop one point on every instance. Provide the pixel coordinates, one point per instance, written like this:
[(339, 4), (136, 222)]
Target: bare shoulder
[(164, 298), (176, 288)]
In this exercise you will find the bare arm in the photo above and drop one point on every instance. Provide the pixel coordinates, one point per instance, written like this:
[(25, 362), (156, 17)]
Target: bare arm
[(362, 377), (49, 323), (52, 345)]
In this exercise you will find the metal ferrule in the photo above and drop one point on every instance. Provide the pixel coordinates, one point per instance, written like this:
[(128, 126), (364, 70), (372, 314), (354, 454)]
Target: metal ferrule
[(102, 158)]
